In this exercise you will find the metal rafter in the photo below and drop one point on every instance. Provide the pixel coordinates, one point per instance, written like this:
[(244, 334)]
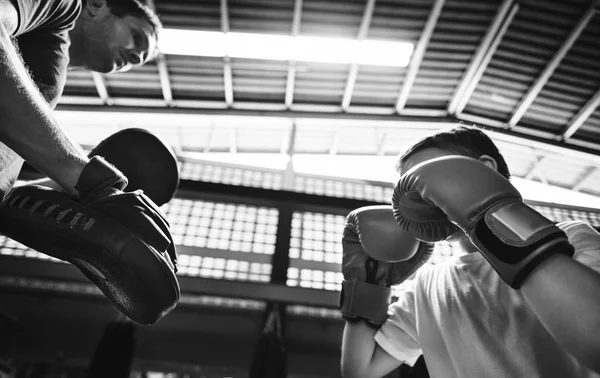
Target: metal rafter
[(335, 142), (232, 141), (536, 170), (209, 138), (363, 31), (165, 80), (582, 115), (541, 81), (486, 48), (579, 184), (291, 77), (163, 70), (493, 127), (227, 74), (288, 143), (418, 54), (381, 145), (101, 88), (289, 147)]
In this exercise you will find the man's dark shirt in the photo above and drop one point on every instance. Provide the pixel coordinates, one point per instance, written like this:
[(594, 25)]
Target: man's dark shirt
[(43, 41)]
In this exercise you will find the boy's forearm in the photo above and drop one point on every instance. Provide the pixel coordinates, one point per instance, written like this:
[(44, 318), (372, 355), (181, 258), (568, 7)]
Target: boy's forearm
[(565, 295), (27, 125), (358, 345)]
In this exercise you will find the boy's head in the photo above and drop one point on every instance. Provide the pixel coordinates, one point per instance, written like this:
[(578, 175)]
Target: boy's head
[(114, 35), (461, 140)]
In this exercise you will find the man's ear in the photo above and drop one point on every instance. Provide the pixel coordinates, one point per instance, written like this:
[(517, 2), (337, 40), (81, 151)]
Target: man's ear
[(489, 161), (94, 7)]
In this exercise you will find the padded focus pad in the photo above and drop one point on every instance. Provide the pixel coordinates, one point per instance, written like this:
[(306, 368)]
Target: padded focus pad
[(147, 161), (116, 244)]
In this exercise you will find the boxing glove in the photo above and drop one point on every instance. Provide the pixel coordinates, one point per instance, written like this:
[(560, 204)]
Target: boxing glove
[(377, 254), (512, 236)]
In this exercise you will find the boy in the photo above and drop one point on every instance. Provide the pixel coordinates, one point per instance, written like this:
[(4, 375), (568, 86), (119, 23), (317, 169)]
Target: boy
[(462, 316)]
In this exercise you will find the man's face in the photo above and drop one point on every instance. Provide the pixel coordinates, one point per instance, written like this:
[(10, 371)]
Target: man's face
[(116, 44), (423, 156)]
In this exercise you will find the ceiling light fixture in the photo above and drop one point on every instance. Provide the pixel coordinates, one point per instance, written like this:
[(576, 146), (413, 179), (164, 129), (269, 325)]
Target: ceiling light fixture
[(281, 47)]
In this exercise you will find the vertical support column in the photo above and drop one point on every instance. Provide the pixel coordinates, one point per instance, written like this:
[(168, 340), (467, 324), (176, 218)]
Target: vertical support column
[(270, 355)]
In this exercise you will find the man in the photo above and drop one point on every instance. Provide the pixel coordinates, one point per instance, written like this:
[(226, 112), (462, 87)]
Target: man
[(536, 316), (110, 36), (120, 241), (102, 41)]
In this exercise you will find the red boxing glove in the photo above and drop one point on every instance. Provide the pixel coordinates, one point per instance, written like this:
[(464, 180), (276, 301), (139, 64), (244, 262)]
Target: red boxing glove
[(512, 236)]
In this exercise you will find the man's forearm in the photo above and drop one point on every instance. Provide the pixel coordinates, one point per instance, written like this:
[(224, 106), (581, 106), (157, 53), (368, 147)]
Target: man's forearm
[(27, 125), (565, 295)]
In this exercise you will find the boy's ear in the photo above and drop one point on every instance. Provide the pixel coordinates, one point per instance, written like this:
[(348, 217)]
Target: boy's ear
[(489, 161)]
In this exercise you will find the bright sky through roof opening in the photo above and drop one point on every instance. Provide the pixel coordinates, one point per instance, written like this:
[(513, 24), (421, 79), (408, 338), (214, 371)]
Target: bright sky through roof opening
[(281, 47)]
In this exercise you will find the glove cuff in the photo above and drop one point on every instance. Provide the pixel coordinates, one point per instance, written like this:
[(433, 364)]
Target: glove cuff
[(515, 239), (361, 300), (97, 176)]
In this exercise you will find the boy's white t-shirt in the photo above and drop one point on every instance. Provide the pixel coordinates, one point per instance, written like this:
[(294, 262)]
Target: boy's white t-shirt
[(468, 323)]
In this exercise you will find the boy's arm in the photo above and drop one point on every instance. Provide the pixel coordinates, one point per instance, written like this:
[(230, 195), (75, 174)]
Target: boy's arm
[(565, 295), (376, 255), (362, 356)]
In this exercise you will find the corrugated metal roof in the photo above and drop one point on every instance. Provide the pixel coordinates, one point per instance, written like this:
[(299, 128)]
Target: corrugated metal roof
[(538, 80)]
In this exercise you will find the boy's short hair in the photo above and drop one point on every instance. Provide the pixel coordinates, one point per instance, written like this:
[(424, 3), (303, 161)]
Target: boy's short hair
[(461, 140)]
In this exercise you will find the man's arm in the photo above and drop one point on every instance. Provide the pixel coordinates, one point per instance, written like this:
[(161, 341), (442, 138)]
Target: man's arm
[(565, 295), (362, 357), (28, 126)]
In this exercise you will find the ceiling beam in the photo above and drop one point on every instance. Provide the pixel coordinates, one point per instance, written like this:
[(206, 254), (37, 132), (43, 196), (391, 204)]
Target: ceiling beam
[(541, 81), (494, 128), (418, 54), (381, 144), (227, 74), (581, 182), (363, 31), (101, 88), (291, 77), (165, 80), (498, 131), (209, 138), (288, 145), (335, 142), (232, 141), (536, 170), (163, 70), (582, 115), (481, 59)]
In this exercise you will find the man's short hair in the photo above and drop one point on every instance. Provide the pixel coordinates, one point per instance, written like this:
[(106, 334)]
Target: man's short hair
[(461, 140), (138, 9)]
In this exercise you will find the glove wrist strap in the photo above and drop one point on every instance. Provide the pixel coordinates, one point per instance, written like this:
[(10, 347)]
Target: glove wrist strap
[(361, 300), (97, 176), (515, 239)]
